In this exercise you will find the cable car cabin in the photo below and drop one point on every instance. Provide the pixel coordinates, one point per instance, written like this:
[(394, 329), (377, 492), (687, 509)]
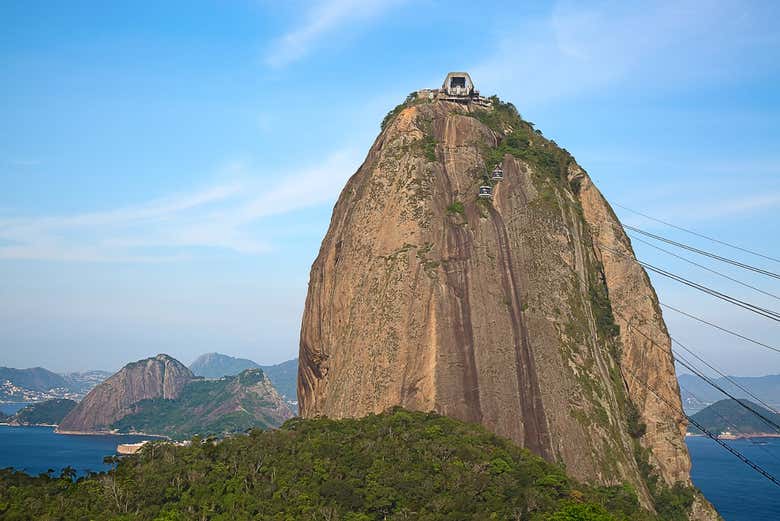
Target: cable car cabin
[(498, 173), (486, 191)]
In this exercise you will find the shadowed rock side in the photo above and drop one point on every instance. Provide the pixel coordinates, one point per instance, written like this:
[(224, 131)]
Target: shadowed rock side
[(157, 377), (494, 312), (646, 345)]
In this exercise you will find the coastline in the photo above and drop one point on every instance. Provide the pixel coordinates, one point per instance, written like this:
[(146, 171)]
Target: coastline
[(110, 433), (12, 424), (86, 433)]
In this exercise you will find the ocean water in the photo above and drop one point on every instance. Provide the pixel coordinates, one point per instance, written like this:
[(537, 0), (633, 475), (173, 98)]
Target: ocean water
[(737, 491), (11, 407), (37, 449)]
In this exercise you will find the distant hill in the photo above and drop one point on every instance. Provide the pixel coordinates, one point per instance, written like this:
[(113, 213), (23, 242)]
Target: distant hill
[(50, 412), (696, 394), (158, 377), (39, 384), (728, 416), (230, 404), (159, 395), (285, 378), (217, 365), (34, 379)]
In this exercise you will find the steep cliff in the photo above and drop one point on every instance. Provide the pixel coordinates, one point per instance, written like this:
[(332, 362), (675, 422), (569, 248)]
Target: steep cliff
[(157, 377), (497, 311)]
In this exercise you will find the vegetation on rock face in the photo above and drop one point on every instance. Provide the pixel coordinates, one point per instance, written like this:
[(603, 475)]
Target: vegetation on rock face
[(398, 465), (50, 412), (456, 208), (207, 407), (519, 139), (411, 98)]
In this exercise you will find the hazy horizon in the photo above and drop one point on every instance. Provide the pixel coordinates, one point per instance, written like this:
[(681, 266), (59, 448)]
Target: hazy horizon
[(169, 170)]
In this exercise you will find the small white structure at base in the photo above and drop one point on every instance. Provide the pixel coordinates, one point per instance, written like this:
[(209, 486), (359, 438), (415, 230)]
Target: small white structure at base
[(130, 448)]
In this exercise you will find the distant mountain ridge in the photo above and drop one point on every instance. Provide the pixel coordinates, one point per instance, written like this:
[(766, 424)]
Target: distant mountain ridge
[(38, 384), (697, 394), (34, 378), (217, 365)]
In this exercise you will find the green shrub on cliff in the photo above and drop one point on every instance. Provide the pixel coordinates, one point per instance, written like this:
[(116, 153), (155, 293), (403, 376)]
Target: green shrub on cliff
[(518, 138), (398, 465)]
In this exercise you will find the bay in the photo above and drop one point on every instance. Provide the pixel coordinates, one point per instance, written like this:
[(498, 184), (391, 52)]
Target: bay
[(737, 491), (10, 408), (37, 449)]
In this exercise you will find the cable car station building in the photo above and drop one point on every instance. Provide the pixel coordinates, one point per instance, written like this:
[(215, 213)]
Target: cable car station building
[(457, 87)]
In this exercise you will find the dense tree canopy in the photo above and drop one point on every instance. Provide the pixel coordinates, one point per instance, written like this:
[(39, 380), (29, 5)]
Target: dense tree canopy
[(395, 466)]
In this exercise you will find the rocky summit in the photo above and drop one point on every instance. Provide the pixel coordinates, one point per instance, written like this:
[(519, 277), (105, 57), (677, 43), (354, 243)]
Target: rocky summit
[(161, 396), (472, 268), (158, 377)]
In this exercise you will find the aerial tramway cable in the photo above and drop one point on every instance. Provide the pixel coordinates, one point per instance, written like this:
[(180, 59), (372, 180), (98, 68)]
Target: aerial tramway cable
[(725, 330), (709, 434), (736, 428), (703, 252), (698, 373), (722, 374), (688, 365), (716, 272), (676, 357), (677, 408), (766, 313), (697, 234)]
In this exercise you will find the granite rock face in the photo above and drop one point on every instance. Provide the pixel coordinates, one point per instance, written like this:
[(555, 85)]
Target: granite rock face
[(157, 377), (512, 312)]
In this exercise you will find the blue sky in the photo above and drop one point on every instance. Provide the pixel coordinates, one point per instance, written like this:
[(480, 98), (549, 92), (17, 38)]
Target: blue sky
[(168, 169)]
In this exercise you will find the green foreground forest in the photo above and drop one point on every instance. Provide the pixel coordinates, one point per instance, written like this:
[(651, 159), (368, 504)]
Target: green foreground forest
[(397, 466)]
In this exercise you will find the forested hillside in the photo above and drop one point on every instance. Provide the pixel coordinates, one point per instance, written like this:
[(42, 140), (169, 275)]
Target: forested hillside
[(399, 465), (50, 412)]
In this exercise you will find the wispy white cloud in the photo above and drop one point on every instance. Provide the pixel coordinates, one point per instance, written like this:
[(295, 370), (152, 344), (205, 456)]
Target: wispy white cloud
[(166, 229), (579, 48), (323, 19)]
